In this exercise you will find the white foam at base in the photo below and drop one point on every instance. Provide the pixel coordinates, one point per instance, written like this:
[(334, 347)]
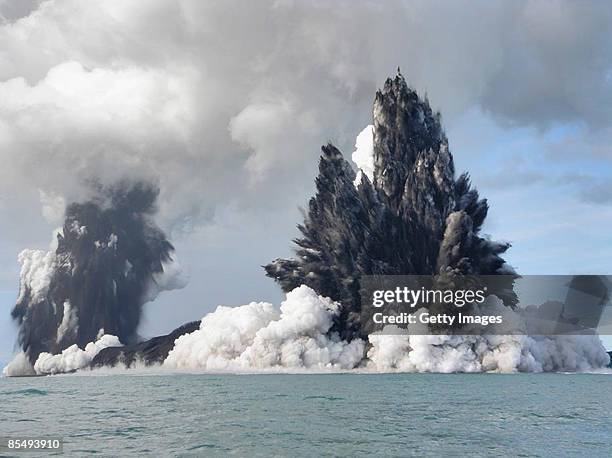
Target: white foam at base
[(258, 337), (73, 358), (296, 338), (19, 366)]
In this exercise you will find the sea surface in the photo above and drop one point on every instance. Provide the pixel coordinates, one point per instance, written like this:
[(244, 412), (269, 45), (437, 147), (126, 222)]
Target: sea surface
[(314, 415)]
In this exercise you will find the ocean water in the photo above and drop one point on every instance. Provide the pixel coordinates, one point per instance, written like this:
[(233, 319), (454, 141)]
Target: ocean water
[(314, 415)]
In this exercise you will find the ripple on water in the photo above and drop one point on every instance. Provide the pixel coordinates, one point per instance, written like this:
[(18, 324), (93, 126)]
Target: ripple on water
[(314, 415), (25, 392), (325, 398)]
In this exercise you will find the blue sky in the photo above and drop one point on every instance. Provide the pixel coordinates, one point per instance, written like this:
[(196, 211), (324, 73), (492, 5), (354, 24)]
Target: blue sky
[(554, 208)]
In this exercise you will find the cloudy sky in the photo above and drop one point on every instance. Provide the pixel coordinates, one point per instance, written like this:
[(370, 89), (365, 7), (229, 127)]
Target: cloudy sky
[(225, 104)]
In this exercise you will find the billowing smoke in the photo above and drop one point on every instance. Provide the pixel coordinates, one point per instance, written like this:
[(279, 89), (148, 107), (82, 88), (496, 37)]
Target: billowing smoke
[(73, 358), (491, 353), (257, 337), (110, 259), (69, 360), (415, 350), (407, 215)]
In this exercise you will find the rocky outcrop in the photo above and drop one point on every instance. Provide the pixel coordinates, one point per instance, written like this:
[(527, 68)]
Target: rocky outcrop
[(153, 351)]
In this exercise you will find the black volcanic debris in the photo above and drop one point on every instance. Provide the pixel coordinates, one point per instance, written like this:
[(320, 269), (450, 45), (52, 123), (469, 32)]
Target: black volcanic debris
[(149, 352), (105, 261), (414, 217)]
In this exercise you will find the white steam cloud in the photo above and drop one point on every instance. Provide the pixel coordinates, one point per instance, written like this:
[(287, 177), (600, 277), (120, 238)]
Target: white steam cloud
[(509, 350), (363, 155), (73, 358), (173, 276), (69, 360), (258, 337), (70, 321), (37, 267), (255, 337), (492, 353), (20, 366)]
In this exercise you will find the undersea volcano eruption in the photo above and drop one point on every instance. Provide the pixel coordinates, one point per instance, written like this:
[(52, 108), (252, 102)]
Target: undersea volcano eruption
[(410, 216), (404, 212), (110, 260)]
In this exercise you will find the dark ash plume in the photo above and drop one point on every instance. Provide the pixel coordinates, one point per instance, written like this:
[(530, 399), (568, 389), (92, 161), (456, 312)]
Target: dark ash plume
[(110, 260), (413, 217)]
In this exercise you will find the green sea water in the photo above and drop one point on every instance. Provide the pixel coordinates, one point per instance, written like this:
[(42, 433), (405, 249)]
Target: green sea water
[(314, 415)]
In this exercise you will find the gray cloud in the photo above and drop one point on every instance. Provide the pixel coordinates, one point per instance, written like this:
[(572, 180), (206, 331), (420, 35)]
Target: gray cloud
[(598, 193), (215, 98), (10, 11), (557, 65)]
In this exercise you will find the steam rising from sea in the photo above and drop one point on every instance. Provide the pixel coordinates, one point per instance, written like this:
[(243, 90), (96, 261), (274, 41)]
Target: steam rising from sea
[(301, 334), (259, 337), (255, 337)]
